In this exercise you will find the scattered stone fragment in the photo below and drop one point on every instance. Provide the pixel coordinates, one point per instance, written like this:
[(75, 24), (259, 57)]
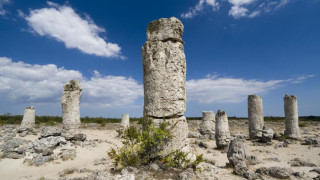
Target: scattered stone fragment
[(203, 144), (222, 133), (101, 161), (277, 172), (50, 142), (50, 131), (291, 117), (68, 171), (193, 134), (255, 116), (154, 166), (39, 159), (267, 134), (296, 162), (311, 141)]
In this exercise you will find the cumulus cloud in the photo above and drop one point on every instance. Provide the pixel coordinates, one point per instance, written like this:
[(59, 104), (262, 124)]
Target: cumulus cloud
[(239, 8), (231, 90), (63, 24), (32, 83), (200, 7), (2, 3)]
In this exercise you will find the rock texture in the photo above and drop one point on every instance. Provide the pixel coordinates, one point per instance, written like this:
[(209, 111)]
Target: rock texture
[(164, 78), (222, 130), (70, 102), (267, 134), (207, 126), (291, 117), (164, 69), (29, 117), (237, 153), (71, 105), (125, 120), (255, 116)]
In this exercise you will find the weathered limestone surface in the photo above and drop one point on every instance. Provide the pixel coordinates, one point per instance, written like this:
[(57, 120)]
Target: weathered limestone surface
[(207, 125), (291, 117), (179, 132), (165, 29), (125, 120), (71, 105), (29, 116), (164, 78), (237, 153), (164, 69), (222, 130), (255, 116)]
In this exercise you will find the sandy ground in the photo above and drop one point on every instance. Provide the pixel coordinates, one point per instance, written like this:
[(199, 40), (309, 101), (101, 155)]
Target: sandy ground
[(16, 169)]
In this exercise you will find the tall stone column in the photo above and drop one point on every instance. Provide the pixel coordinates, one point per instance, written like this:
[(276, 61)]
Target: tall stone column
[(164, 78), (125, 121), (207, 126), (291, 117), (222, 130), (29, 117), (255, 116), (70, 102)]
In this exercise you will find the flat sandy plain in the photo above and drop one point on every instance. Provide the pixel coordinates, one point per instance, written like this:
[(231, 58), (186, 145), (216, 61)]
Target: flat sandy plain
[(104, 138)]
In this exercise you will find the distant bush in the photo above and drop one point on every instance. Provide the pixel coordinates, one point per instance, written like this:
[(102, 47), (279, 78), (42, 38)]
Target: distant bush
[(302, 124)]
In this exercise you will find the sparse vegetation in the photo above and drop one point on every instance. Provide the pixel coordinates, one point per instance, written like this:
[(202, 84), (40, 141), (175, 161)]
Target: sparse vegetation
[(145, 145), (302, 124)]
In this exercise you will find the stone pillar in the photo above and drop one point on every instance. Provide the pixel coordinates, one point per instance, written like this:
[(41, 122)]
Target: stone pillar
[(255, 116), (29, 117), (291, 117), (222, 130), (164, 78), (207, 126), (71, 105), (125, 121), (70, 102)]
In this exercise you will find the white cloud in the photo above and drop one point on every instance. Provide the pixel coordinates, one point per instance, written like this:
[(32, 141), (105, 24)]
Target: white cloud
[(199, 8), (239, 8), (2, 3), (238, 12), (21, 82), (31, 83), (254, 8), (231, 90), (62, 23)]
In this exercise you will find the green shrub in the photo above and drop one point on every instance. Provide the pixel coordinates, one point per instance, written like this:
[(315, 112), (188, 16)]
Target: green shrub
[(302, 124), (145, 145)]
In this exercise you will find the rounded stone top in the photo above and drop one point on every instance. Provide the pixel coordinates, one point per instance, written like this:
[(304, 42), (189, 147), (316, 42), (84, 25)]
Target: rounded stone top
[(254, 96), (30, 107), (72, 85), (165, 29), (290, 97)]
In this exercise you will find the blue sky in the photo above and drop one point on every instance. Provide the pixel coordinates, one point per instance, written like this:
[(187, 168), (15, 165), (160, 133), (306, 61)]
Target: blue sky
[(233, 48)]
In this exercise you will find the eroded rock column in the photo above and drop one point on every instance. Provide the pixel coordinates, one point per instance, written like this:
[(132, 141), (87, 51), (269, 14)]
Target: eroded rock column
[(29, 117), (291, 117), (222, 130), (255, 116), (207, 126), (125, 120), (164, 77), (70, 102)]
